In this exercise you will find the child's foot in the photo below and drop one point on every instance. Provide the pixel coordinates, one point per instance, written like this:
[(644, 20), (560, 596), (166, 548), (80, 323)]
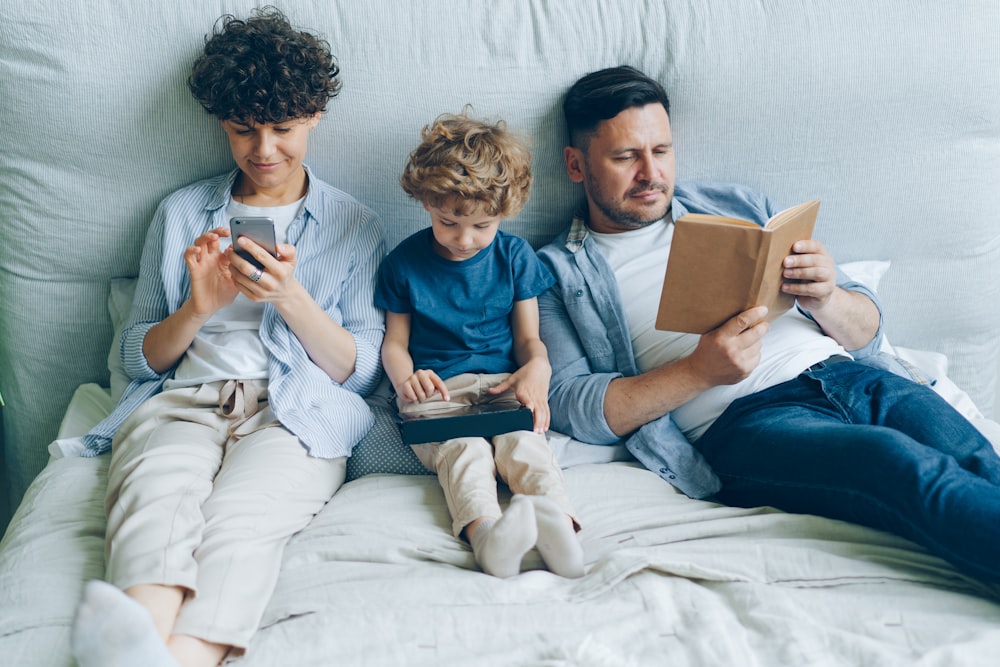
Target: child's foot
[(500, 545), (113, 630), (557, 541)]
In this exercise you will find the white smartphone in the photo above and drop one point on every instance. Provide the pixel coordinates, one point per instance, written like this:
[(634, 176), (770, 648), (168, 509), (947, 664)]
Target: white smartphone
[(259, 230)]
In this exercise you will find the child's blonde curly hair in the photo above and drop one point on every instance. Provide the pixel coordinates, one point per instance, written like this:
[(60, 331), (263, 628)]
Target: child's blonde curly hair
[(463, 165)]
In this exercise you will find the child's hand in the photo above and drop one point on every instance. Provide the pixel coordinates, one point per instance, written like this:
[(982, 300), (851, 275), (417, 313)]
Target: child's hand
[(531, 387), (420, 386)]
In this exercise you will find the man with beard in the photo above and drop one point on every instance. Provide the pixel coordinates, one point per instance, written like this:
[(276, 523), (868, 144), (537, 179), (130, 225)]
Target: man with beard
[(799, 413)]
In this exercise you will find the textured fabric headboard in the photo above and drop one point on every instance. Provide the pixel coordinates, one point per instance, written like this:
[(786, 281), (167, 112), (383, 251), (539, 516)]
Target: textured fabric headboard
[(888, 112)]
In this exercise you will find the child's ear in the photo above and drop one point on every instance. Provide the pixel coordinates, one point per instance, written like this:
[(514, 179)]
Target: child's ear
[(427, 207)]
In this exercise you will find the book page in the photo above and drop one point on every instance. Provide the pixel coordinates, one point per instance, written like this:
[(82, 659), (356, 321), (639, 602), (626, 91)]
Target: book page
[(716, 269), (791, 213), (709, 274), (782, 231), (721, 220)]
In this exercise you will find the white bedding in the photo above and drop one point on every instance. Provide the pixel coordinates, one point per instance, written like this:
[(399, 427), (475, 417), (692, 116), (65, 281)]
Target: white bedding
[(377, 579)]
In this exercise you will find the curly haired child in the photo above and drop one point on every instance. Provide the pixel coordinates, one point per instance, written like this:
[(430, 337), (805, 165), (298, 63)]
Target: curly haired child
[(462, 328)]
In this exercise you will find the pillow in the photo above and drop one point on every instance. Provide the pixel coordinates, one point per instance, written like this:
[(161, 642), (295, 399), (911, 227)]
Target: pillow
[(382, 451), (932, 364), (868, 272), (119, 306)]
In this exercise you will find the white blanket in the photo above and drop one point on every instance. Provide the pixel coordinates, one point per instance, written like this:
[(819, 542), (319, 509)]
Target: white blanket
[(377, 579)]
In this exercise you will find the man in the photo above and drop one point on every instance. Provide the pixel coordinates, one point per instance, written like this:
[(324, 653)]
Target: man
[(793, 413)]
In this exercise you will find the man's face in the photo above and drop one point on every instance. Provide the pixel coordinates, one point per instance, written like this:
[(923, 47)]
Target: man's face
[(627, 169)]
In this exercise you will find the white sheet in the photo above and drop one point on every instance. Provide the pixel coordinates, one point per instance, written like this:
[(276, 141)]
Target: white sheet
[(377, 579)]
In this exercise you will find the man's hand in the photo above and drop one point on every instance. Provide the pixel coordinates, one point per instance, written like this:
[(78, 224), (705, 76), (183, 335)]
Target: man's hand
[(723, 356), (729, 354), (810, 275), (850, 318)]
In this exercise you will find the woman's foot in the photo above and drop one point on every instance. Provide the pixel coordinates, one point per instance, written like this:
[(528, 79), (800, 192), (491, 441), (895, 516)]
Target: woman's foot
[(113, 630)]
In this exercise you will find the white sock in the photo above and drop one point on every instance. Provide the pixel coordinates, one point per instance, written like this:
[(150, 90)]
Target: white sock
[(113, 630), (557, 541), (499, 545)]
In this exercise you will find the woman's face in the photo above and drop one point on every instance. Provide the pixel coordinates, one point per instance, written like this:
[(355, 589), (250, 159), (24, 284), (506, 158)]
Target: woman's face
[(270, 154)]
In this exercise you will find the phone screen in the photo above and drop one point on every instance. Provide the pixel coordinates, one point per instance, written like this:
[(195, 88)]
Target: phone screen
[(260, 230)]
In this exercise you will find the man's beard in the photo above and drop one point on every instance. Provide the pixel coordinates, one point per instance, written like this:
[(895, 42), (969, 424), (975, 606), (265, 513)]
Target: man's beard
[(617, 214)]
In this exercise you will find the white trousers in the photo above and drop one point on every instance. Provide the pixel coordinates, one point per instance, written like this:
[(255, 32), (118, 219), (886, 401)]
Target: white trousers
[(467, 467), (206, 497)]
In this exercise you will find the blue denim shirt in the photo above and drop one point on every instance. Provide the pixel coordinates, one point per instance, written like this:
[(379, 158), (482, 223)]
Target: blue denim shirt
[(338, 244), (583, 325)]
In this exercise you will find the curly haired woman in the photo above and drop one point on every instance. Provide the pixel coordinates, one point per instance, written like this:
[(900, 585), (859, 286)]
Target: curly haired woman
[(247, 376)]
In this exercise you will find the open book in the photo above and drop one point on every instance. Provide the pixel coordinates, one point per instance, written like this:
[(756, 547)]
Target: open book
[(719, 267), (484, 420)]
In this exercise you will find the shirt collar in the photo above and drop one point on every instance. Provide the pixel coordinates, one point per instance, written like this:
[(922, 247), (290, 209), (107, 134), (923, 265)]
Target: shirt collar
[(579, 231), (224, 193)]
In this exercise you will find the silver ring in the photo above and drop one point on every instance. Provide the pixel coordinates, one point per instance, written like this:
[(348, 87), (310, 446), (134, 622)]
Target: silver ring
[(257, 273)]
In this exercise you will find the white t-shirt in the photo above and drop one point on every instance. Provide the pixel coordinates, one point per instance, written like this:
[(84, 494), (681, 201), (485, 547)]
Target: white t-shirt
[(228, 346), (638, 259)]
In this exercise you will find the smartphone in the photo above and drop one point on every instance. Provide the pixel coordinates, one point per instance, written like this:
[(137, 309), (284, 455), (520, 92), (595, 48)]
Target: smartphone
[(260, 230)]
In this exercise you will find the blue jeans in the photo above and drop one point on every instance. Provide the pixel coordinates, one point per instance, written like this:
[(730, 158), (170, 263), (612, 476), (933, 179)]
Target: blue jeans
[(860, 444)]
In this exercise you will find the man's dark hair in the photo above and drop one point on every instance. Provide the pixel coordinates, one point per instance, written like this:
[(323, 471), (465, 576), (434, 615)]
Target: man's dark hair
[(604, 94), (262, 70)]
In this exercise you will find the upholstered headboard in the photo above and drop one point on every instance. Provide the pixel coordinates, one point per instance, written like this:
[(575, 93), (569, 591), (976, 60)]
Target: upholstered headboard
[(888, 112)]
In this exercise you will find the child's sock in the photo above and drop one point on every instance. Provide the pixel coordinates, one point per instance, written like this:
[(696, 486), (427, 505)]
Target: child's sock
[(113, 630), (500, 544), (557, 541)]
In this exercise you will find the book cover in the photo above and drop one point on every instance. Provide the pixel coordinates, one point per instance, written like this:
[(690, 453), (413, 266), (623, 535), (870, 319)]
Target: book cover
[(719, 267), (483, 420)]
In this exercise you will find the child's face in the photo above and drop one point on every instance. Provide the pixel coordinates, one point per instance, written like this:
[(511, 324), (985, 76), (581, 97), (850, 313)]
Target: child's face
[(460, 237)]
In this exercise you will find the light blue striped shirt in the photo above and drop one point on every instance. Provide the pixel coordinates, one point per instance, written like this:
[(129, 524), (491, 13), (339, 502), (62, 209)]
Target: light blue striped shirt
[(339, 246)]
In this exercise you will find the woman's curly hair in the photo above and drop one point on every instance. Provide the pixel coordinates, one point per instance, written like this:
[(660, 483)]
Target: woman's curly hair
[(463, 164), (262, 70)]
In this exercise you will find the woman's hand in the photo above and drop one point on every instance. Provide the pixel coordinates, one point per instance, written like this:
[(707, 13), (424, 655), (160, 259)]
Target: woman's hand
[(212, 286), (274, 283)]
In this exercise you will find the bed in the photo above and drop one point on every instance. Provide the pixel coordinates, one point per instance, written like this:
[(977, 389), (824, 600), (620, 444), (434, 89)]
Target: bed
[(888, 113), (377, 579)]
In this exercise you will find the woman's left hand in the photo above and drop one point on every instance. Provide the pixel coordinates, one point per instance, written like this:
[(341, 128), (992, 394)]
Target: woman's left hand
[(274, 282)]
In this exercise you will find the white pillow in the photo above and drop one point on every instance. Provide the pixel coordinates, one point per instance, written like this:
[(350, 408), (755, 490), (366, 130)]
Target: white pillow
[(868, 272), (119, 306), (933, 364)]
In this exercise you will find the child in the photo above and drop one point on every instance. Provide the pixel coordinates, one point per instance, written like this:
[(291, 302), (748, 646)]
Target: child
[(247, 378), (462, 328)]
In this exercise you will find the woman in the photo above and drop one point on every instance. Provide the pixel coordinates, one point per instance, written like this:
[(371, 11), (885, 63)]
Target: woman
[(247, 375)]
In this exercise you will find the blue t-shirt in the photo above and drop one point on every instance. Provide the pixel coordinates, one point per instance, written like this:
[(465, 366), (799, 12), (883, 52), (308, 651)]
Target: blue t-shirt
[(460, 311)]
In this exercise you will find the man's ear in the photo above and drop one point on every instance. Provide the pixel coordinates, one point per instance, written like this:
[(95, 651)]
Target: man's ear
[(574, 163)]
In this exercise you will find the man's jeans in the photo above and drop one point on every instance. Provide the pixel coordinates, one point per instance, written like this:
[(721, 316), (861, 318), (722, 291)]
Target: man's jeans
[(852, 442)]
